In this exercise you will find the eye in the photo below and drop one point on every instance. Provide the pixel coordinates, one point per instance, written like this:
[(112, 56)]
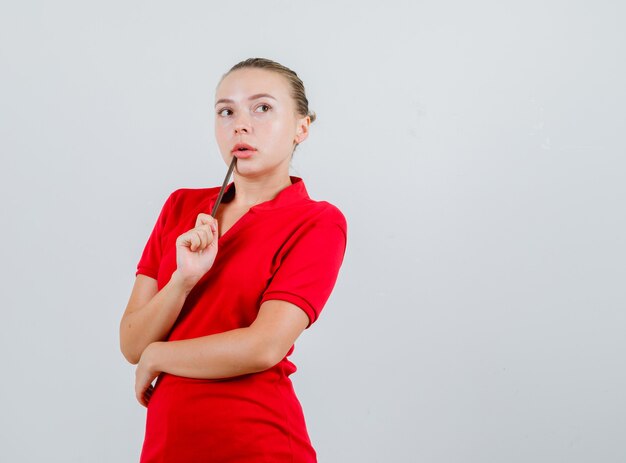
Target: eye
[(219, 112), (263, 106)]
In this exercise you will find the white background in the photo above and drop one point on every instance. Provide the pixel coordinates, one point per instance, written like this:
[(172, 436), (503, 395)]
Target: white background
[(475, 148)]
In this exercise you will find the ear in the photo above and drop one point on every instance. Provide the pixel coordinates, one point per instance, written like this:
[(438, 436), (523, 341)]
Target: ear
[(302, 129)]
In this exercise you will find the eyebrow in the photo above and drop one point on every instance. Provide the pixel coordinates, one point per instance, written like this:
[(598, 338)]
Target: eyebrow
[(253, 97)]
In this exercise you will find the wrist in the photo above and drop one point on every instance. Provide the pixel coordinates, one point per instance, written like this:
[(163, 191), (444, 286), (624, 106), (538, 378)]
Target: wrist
[(180, 282), (150, 356)]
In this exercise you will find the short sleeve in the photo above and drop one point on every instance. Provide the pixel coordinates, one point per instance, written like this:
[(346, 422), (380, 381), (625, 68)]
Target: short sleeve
[(309, 265), (151, 257)]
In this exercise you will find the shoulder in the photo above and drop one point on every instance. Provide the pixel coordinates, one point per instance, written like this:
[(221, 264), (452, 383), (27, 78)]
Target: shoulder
[(329, 213), (321, 211), (320, 215)]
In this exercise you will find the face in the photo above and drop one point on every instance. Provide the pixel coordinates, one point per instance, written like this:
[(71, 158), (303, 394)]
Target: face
[(254, 107)]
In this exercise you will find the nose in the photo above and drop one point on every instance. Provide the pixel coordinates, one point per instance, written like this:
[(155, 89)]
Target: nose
[(242, 125)]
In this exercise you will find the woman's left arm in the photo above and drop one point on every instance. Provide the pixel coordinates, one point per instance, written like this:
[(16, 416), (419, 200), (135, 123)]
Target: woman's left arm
[(223, 355)]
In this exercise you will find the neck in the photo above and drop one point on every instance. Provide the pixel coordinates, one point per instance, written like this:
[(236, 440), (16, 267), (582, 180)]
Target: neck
[(252, 191)]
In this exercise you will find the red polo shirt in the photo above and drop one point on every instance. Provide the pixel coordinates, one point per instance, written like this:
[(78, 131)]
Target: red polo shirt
[(289, 248)]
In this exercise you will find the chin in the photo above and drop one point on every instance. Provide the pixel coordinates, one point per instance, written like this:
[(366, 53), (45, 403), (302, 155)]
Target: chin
[(255, 171), (245, 169)]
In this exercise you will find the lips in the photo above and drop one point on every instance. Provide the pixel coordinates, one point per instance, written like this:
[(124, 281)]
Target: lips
[(242, 147)]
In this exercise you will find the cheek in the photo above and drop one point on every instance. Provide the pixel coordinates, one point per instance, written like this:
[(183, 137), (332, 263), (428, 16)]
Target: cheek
[(222, 129), (277, 128), (222, 138)]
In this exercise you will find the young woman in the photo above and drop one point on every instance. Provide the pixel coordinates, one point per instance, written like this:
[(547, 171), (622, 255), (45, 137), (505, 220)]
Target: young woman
[(218, 302)]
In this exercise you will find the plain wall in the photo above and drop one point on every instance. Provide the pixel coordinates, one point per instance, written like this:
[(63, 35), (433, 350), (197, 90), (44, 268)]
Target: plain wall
[(475, 148)]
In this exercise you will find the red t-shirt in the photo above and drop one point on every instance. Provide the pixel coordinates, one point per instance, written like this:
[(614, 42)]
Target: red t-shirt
[(289, 248)]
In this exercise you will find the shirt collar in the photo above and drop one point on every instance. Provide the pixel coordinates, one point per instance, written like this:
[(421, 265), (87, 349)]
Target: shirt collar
[(294, 193)]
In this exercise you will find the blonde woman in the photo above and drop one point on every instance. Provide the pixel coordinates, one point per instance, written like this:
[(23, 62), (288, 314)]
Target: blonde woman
[(219, 301)]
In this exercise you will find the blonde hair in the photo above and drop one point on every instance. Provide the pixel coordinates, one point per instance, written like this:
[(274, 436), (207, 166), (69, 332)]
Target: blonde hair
[(297, 87)]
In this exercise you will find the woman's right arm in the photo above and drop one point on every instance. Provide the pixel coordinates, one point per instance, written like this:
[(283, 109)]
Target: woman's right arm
[(150, 314)]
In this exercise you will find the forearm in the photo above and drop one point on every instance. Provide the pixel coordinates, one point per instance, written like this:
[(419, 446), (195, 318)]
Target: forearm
[(223, 355), (153, 321)]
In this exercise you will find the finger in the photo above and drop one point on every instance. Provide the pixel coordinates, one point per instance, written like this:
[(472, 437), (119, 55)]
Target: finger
[(204, 232), (183, 240), (140, 398), (214, 227), (215, 230), (189, 240), (144, 395), (196, 239), (210, 222), (203, 219)]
